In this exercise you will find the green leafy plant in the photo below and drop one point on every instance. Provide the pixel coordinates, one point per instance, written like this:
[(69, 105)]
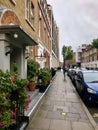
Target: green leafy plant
[(13, 97), (32, 74), (32, 80), (32, 68), (5, 114), (45, 76), (15, 67)]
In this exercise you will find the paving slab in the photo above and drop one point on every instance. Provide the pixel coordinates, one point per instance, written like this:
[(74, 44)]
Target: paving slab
[(39, 123), (60, 125), (81, 126)]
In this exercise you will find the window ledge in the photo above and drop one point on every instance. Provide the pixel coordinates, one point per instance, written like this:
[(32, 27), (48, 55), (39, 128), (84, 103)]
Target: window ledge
[(30, 24), (13, 2)]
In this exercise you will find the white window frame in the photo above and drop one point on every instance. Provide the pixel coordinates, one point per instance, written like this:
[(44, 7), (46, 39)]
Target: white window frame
[(27, 10), (39, 24), (27, 14), (32, 11)]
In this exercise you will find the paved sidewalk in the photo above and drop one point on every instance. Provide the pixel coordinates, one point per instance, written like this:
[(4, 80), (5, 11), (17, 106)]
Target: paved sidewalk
[(61, 109)]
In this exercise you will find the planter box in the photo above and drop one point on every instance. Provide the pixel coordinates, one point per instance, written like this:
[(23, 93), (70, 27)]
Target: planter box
[(22, 124), (42, 88)]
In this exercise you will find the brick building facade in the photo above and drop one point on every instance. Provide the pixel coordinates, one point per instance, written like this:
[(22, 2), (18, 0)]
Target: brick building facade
[(90, 57), (32, 22)]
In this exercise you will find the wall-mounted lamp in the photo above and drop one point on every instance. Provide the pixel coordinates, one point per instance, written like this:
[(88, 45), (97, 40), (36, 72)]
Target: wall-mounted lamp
[(15, 35), (26, 54), (40, 56), (8, 50)]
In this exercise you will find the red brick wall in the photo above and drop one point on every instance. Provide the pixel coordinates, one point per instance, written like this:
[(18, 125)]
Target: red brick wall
[(9, 18)]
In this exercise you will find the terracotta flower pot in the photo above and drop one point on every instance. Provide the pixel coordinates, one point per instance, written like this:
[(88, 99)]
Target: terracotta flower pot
[(32, 86)]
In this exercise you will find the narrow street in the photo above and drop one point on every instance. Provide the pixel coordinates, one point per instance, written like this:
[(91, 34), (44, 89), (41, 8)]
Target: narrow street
[(61, 109)]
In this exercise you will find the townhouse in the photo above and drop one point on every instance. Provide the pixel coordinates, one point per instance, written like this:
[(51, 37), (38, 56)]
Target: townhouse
[(26, 31), (55, 45), (89, 57)]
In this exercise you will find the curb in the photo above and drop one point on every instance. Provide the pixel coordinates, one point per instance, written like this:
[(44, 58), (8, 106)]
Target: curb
[(30, 114), (33, 110), (37, 103)]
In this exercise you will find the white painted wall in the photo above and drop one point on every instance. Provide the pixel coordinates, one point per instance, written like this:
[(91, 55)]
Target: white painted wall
[(4, 60), (23, 63), (18, 55), (55, 62)]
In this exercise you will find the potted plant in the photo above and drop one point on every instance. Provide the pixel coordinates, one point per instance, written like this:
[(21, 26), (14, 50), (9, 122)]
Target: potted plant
[(32, 84), (53, 72), (32, 68), (44, 78), (32, 74)]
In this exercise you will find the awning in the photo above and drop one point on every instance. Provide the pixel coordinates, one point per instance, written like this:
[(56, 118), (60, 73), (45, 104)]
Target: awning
[(17, 35)]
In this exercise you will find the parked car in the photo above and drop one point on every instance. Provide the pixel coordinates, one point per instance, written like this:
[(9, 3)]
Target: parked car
[(70, 72), (87, 85), (74, 73)]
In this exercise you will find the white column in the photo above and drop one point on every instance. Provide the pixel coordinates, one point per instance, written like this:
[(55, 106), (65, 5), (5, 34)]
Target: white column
[(4, 59)]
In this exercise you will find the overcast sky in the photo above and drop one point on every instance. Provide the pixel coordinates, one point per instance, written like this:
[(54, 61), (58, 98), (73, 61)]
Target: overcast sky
[(77, 21)]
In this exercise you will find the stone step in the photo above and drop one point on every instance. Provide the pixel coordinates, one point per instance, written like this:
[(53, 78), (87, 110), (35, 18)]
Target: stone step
[(33, 93)]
